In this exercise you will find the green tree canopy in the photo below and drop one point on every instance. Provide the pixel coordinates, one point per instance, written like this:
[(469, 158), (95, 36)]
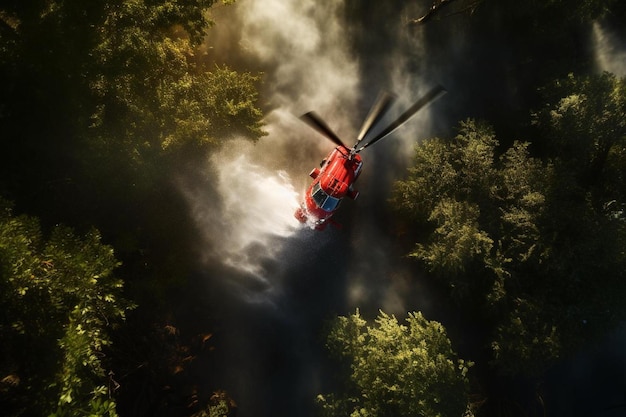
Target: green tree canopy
[(110, 94), (583, 122), (482, 208), (59, 299), (397, 369), (538, 245), (102, 105)]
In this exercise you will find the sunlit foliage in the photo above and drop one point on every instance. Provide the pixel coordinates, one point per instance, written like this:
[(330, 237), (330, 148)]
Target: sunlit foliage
[(219, 406), (538, 243), (101, 104), (59, 299), (584, 122), (97, 90), (151, 88), (397, 369), (482, 208)]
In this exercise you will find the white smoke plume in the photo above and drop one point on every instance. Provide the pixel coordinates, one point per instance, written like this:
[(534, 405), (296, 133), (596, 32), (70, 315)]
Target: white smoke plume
[(254, 205), (304, 50), (310, 67), (610, 51), (247, 214)]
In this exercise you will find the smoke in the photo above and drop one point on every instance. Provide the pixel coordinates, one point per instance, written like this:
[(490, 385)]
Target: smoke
[(246, 215), (609, 50), (304, 50), (379, 276), (304, 41), (303, 46), (284, 280)]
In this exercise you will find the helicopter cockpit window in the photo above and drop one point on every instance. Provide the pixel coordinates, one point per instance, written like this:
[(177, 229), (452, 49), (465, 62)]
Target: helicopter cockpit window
[(323, 200)]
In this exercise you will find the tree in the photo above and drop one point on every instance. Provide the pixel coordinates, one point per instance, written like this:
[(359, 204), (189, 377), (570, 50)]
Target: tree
[(396, 369), (480, 210), (535, 246), (148, 82), (59, 299), (110, 90), (584, 127), (102, 104), (584, 120), (220, 405)]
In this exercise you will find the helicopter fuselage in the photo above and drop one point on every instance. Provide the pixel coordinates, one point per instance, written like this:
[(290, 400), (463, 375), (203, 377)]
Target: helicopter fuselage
[(332, 182), (342, 167)]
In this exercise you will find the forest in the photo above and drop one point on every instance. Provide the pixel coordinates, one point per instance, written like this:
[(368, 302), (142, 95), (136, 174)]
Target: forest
[(514, 213)]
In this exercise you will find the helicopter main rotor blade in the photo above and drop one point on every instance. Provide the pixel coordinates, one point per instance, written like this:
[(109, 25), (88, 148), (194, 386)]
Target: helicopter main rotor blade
[(316, 122), (419, 104), (378, 110)]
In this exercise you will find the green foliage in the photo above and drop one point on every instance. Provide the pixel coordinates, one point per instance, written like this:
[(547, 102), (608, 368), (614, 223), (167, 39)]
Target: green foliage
[(59, 297), (482, 209), (525, 338), (455, 169), (521, 202), (220, 405), (397, 369), (584, 119), (457, 238), (102, 103), (538, 245), (111, 90), (148, 83)]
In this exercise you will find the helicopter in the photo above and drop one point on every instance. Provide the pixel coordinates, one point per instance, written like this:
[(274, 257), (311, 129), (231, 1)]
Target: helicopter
[(338, 172)]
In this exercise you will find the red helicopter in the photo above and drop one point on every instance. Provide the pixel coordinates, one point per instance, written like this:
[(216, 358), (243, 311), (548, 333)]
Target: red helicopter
[(338, 172)]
